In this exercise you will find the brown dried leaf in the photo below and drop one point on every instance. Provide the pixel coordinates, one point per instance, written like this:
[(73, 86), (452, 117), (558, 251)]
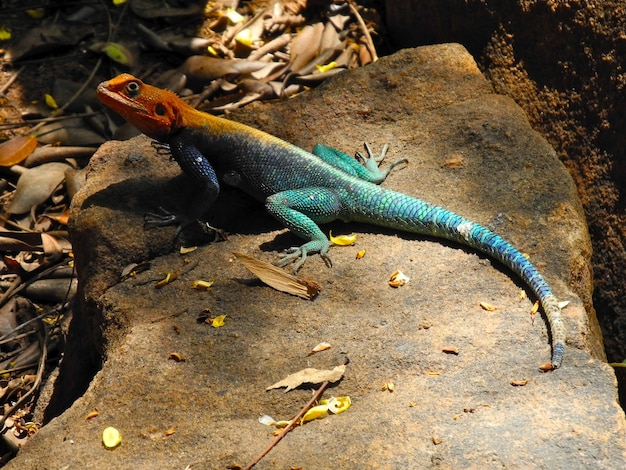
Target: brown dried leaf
[(310, 376), (36, 185), (19, 241), (201, 69), (278, 278), (305, 46), (176, 357)]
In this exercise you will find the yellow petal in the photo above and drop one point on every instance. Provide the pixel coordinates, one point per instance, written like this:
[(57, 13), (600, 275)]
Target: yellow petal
[(5, 33), (360, 254), (51, 102), (111, 438), (343, 240), (339, 404), (244, 37), (317, 412), (169, 277), (218, 321), (203, 285), (233, 16), (327, 67)]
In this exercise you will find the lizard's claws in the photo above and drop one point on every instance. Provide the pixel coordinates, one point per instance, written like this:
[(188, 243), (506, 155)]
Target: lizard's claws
[(301, 252), (164, 218)]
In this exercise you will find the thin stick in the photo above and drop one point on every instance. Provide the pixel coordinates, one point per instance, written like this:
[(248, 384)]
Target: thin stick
[(368, 37), (13, 77), (289, 427)]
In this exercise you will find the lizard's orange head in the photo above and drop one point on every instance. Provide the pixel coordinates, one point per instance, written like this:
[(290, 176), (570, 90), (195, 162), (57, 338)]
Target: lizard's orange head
[(153, 111)]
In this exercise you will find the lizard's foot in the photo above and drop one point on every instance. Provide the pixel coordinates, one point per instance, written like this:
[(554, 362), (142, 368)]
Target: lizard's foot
[(164, 218), (300, 253), (371, 161)]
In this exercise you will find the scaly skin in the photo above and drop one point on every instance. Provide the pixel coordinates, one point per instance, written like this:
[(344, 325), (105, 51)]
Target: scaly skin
[(303, 189)]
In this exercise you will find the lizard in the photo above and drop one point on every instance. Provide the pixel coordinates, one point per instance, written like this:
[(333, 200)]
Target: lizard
[(303, 189)]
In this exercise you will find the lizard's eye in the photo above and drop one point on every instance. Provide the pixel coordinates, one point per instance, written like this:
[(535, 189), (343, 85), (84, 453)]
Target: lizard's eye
[(132, 89), (159, 108)]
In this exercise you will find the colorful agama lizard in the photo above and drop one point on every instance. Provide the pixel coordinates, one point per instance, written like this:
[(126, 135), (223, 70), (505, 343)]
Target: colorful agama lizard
[(303, 189)]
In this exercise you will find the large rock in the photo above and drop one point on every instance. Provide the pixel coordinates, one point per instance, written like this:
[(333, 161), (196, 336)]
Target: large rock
[(471, 151)]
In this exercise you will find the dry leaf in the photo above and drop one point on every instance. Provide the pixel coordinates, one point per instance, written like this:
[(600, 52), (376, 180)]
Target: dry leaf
[(388, 387), (519, 383), (16, 150), (546, 367), (310, 376), (279, 279), (305, 46), (176, 356), (487, 306), (36, 185), (202, 285), (169, 277), (320, 347), (397, 279)]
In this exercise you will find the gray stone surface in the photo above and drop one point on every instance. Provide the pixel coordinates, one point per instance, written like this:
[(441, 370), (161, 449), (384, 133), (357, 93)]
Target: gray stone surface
[(471, 151)]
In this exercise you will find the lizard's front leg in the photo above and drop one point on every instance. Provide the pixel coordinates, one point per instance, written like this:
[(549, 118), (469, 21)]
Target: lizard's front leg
[(300, 210), (197, 167)]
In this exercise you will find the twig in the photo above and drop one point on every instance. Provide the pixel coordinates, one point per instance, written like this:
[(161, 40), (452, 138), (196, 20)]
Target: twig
[(10, 81), (12, 125), (368, 37), (289, 427), (40, 370), (170, 315)]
